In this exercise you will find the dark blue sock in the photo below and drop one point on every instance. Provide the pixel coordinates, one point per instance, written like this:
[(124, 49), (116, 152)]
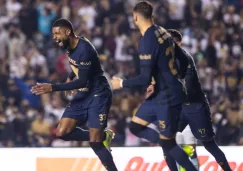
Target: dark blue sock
[(177, 153), (104, 155), (170, 161), (168, 158), (218, 154), (144, 132), (77, 134)]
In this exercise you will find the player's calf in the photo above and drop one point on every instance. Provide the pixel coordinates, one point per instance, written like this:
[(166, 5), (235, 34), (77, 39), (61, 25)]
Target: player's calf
[(218, 154), (167, 145), (96, 143), (170, 148)]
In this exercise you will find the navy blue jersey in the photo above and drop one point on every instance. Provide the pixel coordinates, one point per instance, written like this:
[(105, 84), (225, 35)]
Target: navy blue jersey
[(195, 93), (157, 60), (86, 67)]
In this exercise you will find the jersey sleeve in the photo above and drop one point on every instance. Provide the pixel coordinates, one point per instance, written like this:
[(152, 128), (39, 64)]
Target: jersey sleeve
[(191, 73), (148, 49), (82, 71), (182, 61)]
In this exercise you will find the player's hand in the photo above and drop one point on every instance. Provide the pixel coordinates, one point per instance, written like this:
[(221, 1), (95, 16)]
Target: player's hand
[(39, 89), (70, 92), (149, 91), (116, 83)]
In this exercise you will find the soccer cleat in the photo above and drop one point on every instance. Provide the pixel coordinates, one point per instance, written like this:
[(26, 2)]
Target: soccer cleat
[(189, 150), (182, 169), (108, 138)]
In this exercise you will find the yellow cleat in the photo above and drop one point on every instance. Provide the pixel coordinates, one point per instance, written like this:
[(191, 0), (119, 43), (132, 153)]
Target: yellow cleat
[(109, 136), (182, 169), (189, 150)]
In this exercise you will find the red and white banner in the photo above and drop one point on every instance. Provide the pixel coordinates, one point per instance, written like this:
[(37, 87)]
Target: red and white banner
[(84, 159)]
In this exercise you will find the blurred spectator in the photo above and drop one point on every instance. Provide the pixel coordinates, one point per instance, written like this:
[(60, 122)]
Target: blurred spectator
[(65, 9), (87, 13), (40, 125), (28, 19), (13, 7), (46, 15)]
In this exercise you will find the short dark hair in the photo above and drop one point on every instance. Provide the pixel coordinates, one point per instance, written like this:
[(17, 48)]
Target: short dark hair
[(145, 8), (63, 23), (176, 35)]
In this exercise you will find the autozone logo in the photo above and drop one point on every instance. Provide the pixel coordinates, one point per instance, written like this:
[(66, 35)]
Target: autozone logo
[(138, 164), (134, 164)]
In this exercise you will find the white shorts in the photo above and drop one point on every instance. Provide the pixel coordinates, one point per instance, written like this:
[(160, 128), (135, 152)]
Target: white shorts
[(186, 137)]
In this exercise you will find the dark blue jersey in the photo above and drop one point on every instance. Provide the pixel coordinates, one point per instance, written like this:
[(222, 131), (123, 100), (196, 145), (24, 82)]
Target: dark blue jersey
[(86, 67), (157, 59), (195, 93)]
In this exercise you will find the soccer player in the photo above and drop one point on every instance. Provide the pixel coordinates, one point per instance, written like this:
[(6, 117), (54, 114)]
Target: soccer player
[(93, 99), (185, 138), (196, 113), (156, 53)]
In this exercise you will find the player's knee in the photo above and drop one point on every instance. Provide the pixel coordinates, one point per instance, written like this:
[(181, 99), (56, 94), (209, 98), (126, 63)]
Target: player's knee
[(207, 143), (206, 139), (140, 121), (167, 145), (162, 137), (136, 128), (62, 131)]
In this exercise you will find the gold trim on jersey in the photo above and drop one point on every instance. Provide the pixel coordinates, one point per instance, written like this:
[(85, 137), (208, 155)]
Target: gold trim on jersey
[(145, 57)]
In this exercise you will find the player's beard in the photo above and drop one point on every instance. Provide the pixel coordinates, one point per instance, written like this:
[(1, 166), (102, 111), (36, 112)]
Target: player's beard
[(65, 43)]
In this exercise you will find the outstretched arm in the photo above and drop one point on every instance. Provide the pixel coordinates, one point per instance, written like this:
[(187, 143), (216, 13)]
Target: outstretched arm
[(148, 51)]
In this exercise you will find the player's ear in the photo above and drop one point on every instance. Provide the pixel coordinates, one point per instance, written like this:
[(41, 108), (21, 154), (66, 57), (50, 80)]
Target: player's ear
[(68, 32), (136, 17)]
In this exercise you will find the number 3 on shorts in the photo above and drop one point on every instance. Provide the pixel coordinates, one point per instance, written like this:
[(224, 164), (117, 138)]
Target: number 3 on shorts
[(102, 117)]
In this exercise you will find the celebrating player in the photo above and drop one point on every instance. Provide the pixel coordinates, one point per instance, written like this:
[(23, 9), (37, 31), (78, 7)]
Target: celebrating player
[(156, 53), (92, 102)]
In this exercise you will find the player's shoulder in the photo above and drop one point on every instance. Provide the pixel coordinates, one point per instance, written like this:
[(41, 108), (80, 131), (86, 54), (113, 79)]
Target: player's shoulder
[(86, 45), (84, 41), (190, 58), (150, 33)]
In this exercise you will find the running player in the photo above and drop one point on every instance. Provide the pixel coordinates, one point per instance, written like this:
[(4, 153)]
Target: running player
[(185, 138), (156, 53), (91, 103), (196, 113)]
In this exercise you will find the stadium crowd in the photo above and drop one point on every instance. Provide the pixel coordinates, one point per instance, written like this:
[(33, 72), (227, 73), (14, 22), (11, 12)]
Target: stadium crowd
[(212, 31)]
